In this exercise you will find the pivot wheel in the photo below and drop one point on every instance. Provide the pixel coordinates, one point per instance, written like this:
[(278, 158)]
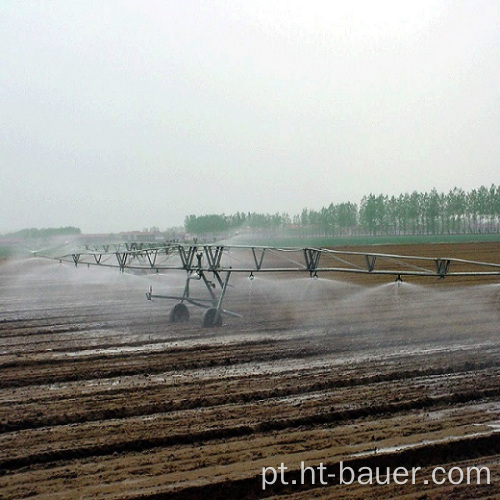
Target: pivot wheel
[(212, 318), (179, 314)]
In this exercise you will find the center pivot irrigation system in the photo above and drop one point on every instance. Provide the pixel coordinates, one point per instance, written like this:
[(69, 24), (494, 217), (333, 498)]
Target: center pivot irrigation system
[(214, 264)]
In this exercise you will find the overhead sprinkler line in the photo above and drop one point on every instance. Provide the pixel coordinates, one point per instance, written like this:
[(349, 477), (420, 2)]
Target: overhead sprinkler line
[(213, 265), (253, 259)]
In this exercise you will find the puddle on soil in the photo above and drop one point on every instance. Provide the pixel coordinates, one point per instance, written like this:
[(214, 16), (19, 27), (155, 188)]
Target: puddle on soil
[(492, 407), (186, 344), (494, 426)]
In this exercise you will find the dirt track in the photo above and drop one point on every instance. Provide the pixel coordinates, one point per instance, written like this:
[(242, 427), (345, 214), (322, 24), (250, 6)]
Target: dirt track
[(101, 397)]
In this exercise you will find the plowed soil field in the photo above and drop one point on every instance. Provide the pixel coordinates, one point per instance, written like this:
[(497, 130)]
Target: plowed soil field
[(102, 397)]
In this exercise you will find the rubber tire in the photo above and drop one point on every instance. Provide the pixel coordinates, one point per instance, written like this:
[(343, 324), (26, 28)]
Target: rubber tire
[(179, 314), (212, 318)]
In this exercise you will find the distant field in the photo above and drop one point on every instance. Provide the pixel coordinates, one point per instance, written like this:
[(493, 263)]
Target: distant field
[(372, 240)]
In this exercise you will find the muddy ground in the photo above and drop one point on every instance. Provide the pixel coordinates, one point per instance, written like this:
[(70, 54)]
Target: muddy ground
[(101, 397)]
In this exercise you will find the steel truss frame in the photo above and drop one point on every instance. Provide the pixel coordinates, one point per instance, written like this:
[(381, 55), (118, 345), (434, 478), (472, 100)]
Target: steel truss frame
[(220, 261)]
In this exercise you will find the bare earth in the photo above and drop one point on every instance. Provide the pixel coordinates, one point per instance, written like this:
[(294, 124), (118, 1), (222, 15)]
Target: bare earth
[(101, 397)]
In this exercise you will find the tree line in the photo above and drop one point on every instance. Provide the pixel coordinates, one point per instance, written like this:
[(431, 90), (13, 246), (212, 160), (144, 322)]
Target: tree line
[(431, 212), (34, 233)]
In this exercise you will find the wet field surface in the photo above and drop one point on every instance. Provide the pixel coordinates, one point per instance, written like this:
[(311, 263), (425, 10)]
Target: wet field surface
[(102, 397)]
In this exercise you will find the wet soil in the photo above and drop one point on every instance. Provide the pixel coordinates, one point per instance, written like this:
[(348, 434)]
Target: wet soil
[(102, 397)]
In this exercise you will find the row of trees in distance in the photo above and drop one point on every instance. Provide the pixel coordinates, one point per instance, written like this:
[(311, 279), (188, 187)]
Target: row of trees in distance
[(431, 212), (33, 233)]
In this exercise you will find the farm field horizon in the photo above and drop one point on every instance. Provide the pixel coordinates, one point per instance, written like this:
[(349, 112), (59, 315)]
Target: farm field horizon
[(102, 397)]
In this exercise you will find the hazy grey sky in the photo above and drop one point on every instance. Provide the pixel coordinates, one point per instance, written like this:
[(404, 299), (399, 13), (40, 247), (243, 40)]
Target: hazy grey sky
[(118, 115)]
